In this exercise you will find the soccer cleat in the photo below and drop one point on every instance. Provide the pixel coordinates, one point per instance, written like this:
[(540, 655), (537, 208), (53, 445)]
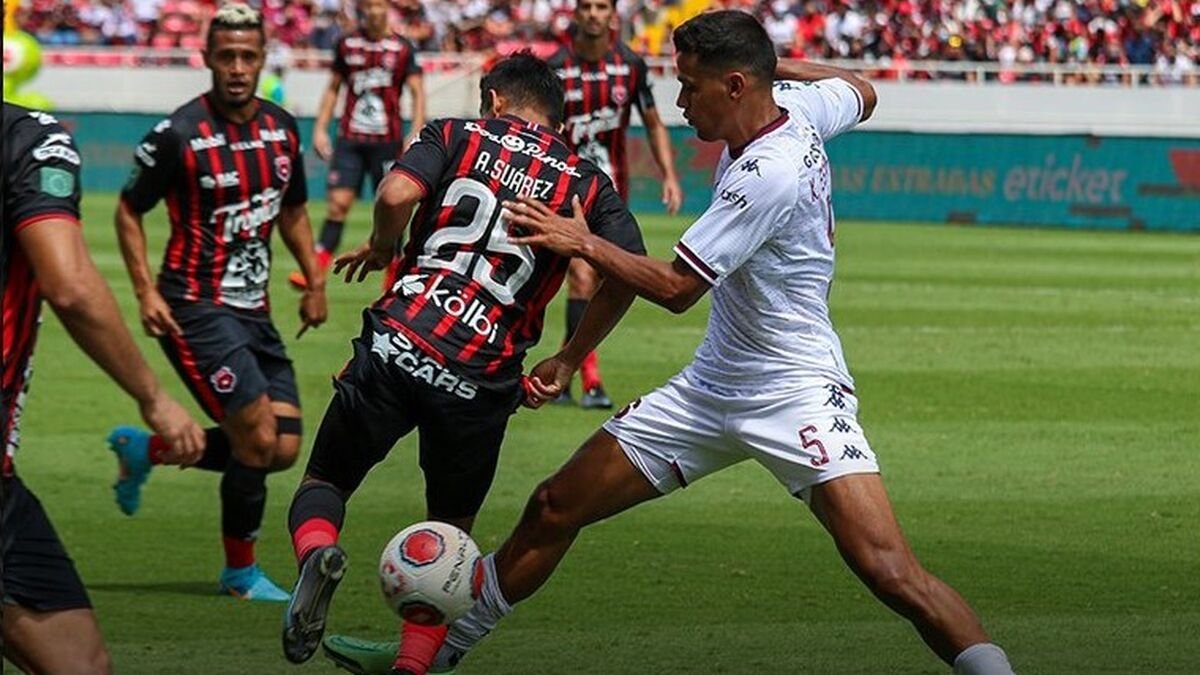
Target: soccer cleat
[(304, 620), (366, 657), (296, 279), (250, 583), (132, 448), (595, 398)]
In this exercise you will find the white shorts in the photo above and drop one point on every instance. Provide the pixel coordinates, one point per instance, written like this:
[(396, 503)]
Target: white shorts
[(681, 432)]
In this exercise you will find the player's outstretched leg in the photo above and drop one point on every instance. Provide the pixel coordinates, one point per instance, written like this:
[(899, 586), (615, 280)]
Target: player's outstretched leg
[(857, 513), (138, 451), (315, 520), (599, 481)]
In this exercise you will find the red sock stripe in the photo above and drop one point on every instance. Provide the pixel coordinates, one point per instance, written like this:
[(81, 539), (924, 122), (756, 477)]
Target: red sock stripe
[(589, 371), (313, 533), (418, 646), (238, 552), (158, 448)]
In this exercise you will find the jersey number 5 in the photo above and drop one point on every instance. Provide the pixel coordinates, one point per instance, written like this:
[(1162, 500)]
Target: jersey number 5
[(477, 250)]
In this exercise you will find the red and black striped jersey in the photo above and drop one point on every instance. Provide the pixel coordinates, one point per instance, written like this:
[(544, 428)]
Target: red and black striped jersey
[(374, 72), (466, 294), (600, 96), (224, 184), (41, 182)]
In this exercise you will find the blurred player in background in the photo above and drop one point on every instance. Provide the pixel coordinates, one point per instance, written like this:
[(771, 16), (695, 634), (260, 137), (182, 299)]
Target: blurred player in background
[(374, 63), (47, 621), (442, 350), (230, 168), (605, 81), (768, 382)]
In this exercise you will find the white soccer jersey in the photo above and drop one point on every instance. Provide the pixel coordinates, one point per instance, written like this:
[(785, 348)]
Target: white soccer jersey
[(766, 245)]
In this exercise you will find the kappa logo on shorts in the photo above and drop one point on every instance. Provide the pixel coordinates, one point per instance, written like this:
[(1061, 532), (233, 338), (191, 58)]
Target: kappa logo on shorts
[(837, 397), (224, 380), (841, 425), (851, 452)]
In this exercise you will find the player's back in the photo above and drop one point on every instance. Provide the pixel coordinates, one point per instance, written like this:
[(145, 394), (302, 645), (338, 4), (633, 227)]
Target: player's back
[(464, 288), (767, 245)]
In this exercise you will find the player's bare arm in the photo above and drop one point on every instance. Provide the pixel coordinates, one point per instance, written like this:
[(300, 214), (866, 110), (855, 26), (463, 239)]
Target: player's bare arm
[(321, 142), (397, 198), (416, 87), (660, 148), (807, 71), (673, 285), (604, 311), (70, 282), (153, 310), (296, 232)]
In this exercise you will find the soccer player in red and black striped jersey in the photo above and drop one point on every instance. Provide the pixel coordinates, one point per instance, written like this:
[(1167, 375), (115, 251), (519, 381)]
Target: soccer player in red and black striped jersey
[(48, 625), (605, 81), (442, 350), (375, 64), (231, 170)]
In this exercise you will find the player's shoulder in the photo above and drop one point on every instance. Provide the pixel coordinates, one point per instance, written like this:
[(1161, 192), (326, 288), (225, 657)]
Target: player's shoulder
[(349, 40), (25, 127), (629, 56), (399, 39), (185, 120), (559, 57), (277, 111)]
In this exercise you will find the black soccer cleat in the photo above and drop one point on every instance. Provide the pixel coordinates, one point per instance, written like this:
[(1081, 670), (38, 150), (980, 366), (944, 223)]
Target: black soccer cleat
[(304, 620), (595, 398)]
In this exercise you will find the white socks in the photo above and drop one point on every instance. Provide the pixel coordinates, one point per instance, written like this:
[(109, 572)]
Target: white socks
[(984, 658), (483, 617)]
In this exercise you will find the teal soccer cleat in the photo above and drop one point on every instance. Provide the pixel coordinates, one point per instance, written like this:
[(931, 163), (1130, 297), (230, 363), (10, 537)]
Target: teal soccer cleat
[(132, 448), (251, 583)]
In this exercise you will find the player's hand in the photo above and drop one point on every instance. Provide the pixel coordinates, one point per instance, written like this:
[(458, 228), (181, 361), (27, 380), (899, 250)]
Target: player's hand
[(543, 227), (546, 381), (322, 145), (672, 195), (313, 309), (156, 316), (168, 419), (362, 261)]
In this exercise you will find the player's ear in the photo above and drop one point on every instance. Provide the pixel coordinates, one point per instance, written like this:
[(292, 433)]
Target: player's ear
[(735, 84)]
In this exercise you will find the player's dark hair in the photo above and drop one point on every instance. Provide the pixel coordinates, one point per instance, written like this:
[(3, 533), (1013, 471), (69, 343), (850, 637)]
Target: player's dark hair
[(235, 16), (728, 39), (526, 80)]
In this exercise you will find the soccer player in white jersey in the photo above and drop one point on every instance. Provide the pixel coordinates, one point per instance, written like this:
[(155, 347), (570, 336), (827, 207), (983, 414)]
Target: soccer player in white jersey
[(769, 382)]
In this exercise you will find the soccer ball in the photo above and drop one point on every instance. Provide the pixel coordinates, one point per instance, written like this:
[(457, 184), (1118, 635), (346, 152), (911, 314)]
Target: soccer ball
[(430, 573)]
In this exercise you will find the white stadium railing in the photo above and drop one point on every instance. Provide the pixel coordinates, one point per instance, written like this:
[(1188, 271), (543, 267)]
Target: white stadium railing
[(920, 71)]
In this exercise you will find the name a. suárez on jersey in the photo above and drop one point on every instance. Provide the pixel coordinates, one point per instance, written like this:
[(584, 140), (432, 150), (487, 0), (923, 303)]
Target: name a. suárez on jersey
[(397, 348), (514, 178), (514, 143), (246, 217), (473, 314)]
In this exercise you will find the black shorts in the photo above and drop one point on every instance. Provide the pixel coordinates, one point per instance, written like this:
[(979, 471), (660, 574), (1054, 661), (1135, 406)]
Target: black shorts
[(391, 387), (228, 358), (355, 160), (38, 574)]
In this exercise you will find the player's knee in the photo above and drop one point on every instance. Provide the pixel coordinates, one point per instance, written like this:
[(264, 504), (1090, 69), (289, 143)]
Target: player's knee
[(896, 582), (548, 512), (260, 446), (94, 661)]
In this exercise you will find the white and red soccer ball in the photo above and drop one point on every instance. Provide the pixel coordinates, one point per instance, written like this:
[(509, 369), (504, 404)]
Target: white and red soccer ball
[(430, 573)]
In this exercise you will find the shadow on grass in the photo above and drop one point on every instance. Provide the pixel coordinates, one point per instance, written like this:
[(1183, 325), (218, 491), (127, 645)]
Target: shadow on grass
[(204, 588)]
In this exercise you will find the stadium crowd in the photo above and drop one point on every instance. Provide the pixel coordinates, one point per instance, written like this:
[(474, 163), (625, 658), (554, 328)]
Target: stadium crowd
[(1164, 34)]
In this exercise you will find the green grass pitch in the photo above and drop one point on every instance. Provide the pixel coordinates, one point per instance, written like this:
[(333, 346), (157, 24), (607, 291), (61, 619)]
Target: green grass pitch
[(1034, 397)]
